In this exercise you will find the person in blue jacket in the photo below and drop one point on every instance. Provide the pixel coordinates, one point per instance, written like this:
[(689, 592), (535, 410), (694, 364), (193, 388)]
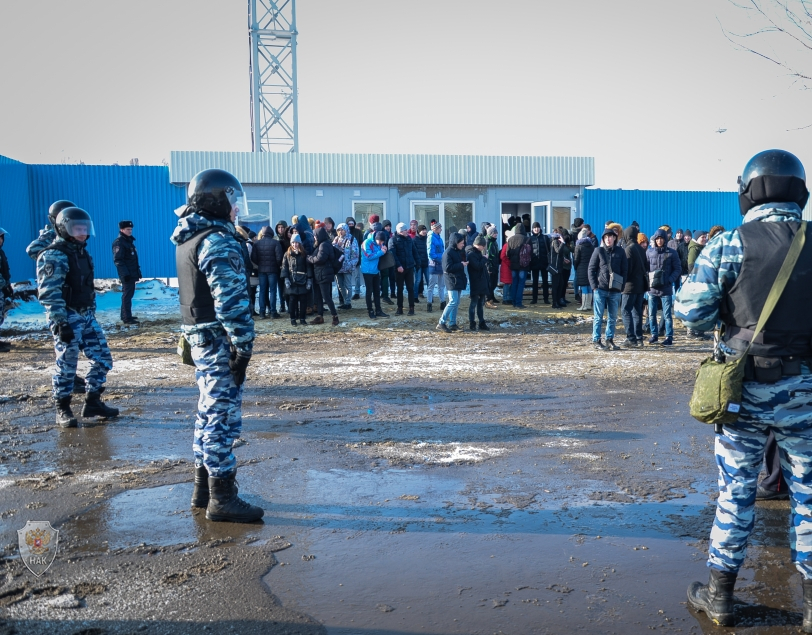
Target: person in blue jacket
[(371, 251)]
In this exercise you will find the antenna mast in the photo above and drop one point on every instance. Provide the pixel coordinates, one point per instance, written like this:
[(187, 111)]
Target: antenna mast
[(274, 99)]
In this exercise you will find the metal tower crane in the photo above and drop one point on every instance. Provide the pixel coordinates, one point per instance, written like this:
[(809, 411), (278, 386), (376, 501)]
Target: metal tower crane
[(274, 99)]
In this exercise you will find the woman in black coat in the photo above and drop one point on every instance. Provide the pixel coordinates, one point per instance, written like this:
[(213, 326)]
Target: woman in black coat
[(479, 280), (583, 252), (323, 272)]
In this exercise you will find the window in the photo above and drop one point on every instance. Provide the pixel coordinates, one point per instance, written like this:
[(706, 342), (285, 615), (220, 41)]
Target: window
[(362, 210), (454, 215), (259, 215)]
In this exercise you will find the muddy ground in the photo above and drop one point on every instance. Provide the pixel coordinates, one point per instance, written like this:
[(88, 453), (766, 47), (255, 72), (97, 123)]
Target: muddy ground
[(515, 481)]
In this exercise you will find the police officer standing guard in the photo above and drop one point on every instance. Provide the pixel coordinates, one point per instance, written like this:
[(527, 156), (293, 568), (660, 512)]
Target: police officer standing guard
[(65, 280), (47, 235), (126, 260), (731, 281), (217, 324)]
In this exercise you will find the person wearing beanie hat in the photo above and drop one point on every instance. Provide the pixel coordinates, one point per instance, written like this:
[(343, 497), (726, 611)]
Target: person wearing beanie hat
[(356, 233), (608, 270), (388, 283), (540, 248), (266, 256), (125, 258), (374, 218), (297, 279), (435, 248), (664, 270), (582, 254), (421, 268), (479, 281), (492, 254), (454, 265), (634, 288), (695, 248), (346, 242), (404, 250), (372, 250)]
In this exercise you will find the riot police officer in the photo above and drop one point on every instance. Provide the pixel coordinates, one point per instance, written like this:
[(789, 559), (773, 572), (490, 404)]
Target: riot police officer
[(125, 258), (731, 281), (5, 288), (48, 234), (218, 326), (65, 280)]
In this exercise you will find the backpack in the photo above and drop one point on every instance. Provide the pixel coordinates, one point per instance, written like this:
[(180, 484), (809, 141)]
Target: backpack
[(525, 255)]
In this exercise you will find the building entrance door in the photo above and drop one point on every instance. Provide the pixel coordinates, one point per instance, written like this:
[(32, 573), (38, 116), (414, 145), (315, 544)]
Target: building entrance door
[(553, 214), (453, 215)]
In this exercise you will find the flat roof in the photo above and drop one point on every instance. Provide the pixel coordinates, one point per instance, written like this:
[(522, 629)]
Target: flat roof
[(386, 169)]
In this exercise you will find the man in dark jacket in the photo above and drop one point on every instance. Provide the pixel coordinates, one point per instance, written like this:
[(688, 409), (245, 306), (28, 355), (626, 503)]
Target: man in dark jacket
[(323, 272), (519, 273), (608, 262), (404, 250), (267, 257), (421, 268), (664, 270), (455, 280), (540, 244), (634, 289), (126, 260), (359, 237), (479, 281), (6, 292), (470, 234)]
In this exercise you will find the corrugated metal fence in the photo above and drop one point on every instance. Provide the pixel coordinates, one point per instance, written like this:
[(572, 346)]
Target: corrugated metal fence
[(142, 194), (653, 208)]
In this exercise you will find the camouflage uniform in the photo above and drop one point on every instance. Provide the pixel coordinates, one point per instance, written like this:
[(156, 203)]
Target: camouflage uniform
[(784, 407), (219, 412), (52, 268), (45, 238)]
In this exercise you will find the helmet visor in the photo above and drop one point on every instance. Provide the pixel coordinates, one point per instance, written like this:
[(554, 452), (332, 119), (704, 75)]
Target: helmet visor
[(238, 202), (80, 229)]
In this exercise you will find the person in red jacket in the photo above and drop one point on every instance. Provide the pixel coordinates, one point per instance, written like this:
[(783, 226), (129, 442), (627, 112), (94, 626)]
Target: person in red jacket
[(505, 274)]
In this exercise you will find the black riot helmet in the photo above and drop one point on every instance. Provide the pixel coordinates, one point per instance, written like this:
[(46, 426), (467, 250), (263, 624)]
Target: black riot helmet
[(55, 208), (216, 192), (74, 225), (772, 176)]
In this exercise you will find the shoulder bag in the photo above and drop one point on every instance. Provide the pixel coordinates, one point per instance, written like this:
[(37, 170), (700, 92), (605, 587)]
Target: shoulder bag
[(717, 395)]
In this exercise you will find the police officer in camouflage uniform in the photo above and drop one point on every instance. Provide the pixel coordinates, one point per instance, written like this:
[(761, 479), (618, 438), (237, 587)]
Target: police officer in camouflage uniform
[(731, 281), (65, 280), (48, 234), (217, 323), (6, 291)]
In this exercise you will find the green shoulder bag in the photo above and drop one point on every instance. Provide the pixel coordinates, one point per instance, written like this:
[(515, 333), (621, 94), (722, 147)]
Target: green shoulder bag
[(717, 396)]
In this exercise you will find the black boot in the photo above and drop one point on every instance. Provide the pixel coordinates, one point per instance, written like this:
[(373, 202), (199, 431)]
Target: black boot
[(200, 494), (716, 598), (78, 385), (483, 326), (95, 407), (225, 505), (428, 308), (471, 325), (64, 415)]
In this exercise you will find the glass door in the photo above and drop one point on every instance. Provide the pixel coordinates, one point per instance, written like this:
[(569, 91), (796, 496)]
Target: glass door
[(424, 213), (539, 213), (260, 215), (553, 214), (453, 215)]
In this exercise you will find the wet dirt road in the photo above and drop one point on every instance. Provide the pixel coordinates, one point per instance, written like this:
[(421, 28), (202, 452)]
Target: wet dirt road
[(510, 482)]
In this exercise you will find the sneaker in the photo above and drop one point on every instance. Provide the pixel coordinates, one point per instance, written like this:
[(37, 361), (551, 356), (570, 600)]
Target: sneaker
[(355, 296), (399, 311), (653, 339), (627, 343), (491, 305), (387, 300), (293, 322), (372, 315), (262, 316), (611, 346), (764, 494), (303, 322), (417, 300), (317, 320), (667, 342), (533, 302), (599, 345), (472, 326), (453, 328), (428, 308), (441, 327), (484, 327), (275, 315), (335, 320), (411, 311), (380, 313)]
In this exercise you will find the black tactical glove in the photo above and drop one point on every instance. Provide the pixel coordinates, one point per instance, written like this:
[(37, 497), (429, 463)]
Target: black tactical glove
[(238, 363), (64, 332)]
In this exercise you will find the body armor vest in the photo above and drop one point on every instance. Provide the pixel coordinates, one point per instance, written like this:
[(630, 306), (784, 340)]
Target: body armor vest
[(196, 301), (77, 291), (788, 332)]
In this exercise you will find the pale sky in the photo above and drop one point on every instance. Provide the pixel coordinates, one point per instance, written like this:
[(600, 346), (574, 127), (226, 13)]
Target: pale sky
[(641, 85)]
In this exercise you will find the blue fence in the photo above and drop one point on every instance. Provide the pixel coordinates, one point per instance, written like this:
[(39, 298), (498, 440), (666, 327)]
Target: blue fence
[(142, 194), (653, 208)]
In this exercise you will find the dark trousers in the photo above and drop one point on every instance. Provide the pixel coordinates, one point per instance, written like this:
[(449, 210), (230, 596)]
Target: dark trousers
[(493, 282), (372, 282), (405, 277), (324, 295), (565, 278), (774, 481), (477, 304), (545, 284), (556, 287), (281, 294), (127, 293), (298, 306), (385, 273), (631, 309), (252, 294)]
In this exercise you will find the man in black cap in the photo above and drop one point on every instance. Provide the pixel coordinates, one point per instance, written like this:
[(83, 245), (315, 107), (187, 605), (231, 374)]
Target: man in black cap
[(126, 260)]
